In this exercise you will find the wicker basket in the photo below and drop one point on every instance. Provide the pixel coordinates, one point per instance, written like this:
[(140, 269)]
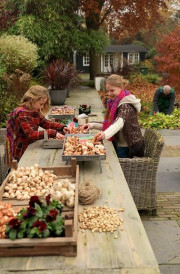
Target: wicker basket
[(140, 173), (3, 160)]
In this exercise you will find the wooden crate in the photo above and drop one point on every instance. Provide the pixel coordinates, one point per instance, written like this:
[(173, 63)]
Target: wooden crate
[(3, 157), (3, 165), (62, 116), (61, 246), (50, 143)]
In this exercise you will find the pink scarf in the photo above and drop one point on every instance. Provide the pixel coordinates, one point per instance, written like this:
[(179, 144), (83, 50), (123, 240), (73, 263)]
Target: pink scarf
[(111, 111)]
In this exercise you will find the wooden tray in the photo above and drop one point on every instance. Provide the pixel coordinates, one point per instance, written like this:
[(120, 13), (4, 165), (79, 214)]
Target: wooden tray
[(62, 116), (81, 157), (61, 246), (67, 158), (50, 143)]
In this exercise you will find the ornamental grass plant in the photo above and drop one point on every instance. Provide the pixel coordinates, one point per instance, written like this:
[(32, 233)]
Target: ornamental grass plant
[(61, 75)]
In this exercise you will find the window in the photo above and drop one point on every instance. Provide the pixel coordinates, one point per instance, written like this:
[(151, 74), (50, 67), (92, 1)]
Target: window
[(86, 59), (133, 58), (108, 60)]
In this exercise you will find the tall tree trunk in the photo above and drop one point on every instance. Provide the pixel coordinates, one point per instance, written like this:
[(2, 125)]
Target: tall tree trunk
[(95, 64), (92, 23)]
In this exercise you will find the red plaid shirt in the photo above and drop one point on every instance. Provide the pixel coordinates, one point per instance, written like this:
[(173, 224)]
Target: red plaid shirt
[(26, 130)]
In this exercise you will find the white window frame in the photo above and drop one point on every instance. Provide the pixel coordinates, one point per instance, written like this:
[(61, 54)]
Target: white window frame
[(108, 60), (86, 60), (133, 58)]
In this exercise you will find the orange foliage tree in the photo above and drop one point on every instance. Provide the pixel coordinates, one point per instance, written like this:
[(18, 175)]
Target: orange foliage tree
[(169, 57), (115, 16)]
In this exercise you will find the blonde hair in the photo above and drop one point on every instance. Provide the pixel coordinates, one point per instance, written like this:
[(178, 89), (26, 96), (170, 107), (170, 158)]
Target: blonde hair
[(36, 93), (116, 81)]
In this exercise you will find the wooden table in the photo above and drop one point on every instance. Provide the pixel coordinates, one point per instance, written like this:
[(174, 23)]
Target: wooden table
[(97, 252)]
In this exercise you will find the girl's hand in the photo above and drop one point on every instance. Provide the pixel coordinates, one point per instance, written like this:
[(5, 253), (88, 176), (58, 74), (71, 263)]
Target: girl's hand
[(99, 136), (66, 130), (59, 136), (86, 126)]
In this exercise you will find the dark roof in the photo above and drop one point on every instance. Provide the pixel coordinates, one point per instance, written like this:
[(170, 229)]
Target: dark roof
[(125, 48)]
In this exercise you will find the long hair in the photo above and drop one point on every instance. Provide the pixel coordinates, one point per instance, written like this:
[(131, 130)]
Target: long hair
[(34, 94), (116, 81)]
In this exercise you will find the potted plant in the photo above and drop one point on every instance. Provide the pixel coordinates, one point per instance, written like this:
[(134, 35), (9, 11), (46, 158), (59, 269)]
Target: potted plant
[(61, 76), (84, 109)]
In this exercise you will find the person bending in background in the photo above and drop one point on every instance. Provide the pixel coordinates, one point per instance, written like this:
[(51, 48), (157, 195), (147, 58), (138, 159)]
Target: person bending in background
[(25, 120), (163, 100), (121, 124)]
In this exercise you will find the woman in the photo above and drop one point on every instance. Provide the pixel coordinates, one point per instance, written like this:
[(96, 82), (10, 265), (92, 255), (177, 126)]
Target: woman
[(121, 124), (24, 121)]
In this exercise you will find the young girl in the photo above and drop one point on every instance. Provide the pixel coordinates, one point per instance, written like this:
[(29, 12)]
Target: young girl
[(121, 124), (22, 127)]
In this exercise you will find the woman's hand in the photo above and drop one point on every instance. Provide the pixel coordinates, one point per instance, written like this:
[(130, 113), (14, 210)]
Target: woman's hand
[(86, 126), (99, 136), (59, 136), (66, 130)]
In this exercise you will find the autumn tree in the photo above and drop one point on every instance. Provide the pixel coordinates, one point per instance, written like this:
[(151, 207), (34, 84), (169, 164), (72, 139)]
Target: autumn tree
[(116, 16), (168, 59), (56, 27)]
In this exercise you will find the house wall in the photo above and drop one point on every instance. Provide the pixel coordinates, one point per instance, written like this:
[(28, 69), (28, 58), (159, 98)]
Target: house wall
[(125, 55), (118, 60), (142, 56), (79, 64)]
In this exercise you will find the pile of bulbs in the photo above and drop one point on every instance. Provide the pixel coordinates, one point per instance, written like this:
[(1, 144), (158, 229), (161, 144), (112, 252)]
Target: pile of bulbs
[(64, 192), (28, 181), (63, 110), (75, 146), (77, 130)]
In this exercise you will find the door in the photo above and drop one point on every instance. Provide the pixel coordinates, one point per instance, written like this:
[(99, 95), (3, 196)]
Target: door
[(108, 62)]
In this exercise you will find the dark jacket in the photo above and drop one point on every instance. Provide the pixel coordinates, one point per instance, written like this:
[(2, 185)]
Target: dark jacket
[(163, 103), (131, 130)]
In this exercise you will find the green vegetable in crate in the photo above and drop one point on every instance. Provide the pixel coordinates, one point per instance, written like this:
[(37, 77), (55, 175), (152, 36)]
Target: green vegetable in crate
[(38, 220)]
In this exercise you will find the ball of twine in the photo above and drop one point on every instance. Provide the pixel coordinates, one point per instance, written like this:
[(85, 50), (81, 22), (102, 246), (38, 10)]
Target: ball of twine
[(88, 193)]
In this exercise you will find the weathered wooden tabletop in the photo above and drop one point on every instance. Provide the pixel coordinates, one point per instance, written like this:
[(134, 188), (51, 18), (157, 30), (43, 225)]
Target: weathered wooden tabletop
[(97, 252)]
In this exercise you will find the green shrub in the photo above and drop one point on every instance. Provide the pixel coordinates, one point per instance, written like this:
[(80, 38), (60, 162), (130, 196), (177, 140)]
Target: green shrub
[(152, 78), (18, 53), (7, 103), (103, 85), (2, 71), (160, 120), (148, 63), (137, 76)]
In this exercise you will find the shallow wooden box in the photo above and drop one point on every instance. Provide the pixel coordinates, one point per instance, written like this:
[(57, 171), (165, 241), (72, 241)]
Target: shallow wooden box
[(50, 143), (67, 158), (81, 157), (61, 246), (62, 116)]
